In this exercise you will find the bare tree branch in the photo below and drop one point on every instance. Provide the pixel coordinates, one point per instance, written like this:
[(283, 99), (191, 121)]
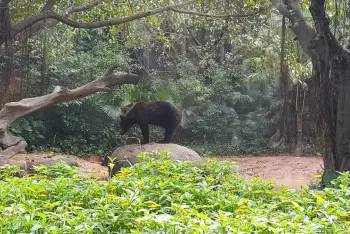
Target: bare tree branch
[(28, 22), (29, 105), (14, 110), (51, 22), (115, 21)]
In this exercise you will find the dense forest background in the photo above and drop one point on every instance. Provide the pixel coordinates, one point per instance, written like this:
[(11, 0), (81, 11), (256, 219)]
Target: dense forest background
[(249, 77), (241, 81)]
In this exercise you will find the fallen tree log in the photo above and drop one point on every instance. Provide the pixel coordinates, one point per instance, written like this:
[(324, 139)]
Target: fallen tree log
[(11, 145)]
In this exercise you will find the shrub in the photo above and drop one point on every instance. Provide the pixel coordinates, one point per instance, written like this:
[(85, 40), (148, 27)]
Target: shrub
[(169, 197)]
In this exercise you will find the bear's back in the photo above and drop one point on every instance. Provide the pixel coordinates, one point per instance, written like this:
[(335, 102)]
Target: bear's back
[(158, 113)]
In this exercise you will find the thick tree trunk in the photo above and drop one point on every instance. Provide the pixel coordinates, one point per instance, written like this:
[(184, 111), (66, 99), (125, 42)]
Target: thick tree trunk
[(11, 144), (342, 145), (5, 26), (331, 69), (332, 65), (6, 51), (335, 109)]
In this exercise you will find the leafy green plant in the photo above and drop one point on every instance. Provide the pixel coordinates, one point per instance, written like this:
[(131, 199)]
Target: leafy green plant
[(9, 171), (217, 87), (163, 196), (57, 170)]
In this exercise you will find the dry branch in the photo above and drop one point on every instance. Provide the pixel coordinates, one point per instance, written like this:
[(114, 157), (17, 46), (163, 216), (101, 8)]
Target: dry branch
[(31, 20), (14, 110), (48, 18), (35, 25), (47, 23)]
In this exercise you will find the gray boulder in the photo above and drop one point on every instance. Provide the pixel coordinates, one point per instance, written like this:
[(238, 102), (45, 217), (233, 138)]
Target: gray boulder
[(126, 156)]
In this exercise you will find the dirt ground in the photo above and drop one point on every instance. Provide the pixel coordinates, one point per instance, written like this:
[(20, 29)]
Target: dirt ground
[(89, 167), (292, 171)]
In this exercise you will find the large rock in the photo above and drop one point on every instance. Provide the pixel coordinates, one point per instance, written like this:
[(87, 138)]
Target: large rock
[(126, 156)]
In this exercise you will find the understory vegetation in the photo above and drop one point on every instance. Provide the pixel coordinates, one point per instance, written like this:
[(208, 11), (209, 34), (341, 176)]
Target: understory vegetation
[(242, 82), (162, 196), (247, 76), (222, 80)]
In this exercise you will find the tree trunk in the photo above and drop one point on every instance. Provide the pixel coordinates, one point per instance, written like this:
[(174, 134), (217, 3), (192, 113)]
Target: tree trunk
[(331, 70), (5, 25), (287, 124), (6, 50), (299, 108), (342, 153), (332, 66), (283, 82), (335, 109)]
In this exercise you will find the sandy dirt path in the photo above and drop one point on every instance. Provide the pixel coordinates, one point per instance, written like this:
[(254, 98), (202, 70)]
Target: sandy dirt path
[(292, 171)]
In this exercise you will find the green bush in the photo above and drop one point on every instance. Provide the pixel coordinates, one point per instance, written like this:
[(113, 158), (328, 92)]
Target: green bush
[(161, 196), (58, 170), (8, 171), (75, 128), (222, 101)]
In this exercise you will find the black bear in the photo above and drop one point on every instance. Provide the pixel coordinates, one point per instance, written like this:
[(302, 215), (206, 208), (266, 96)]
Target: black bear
[(158, 113)]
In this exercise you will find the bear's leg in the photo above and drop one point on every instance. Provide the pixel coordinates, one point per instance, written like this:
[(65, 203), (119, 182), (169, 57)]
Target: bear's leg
[(145, 133), (168, 134)]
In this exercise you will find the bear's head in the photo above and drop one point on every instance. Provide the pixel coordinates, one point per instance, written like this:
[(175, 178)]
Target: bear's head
[(125, 124)]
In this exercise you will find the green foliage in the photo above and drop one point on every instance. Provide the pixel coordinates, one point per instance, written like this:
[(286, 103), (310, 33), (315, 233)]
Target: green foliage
[(75, 128), (8, 171), (220, 75), (161, 196), (57, 170), (224, 107)]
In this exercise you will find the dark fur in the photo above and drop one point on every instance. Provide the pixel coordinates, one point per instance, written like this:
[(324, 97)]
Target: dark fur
[(161, 114)]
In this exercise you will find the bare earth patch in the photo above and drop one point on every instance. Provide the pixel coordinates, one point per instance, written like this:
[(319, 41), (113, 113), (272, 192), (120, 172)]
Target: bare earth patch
[(91, 168), (292, 171)]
